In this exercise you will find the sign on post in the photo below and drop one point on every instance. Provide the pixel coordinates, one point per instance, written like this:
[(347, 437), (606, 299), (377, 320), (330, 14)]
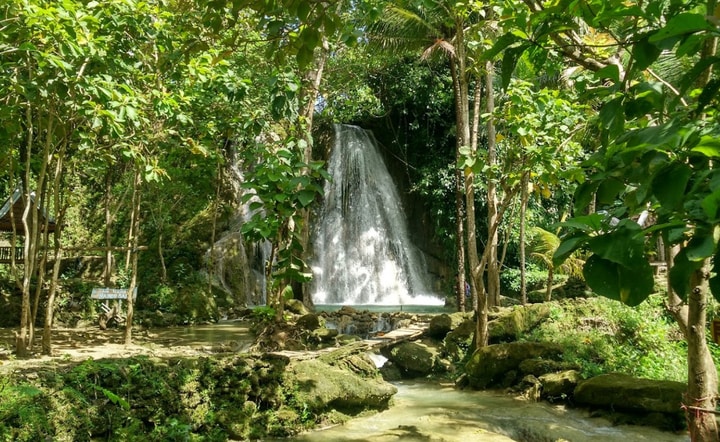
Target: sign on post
[(105, 293)]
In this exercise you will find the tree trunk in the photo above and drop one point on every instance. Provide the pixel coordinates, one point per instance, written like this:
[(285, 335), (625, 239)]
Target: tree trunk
[(107, 273), (523, 224), (550, 280), (60, 208), (702, 391), (493, 271), (133, 243), (462, 284), (311, 88)]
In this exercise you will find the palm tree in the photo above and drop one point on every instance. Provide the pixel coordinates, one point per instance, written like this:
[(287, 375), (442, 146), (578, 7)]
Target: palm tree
[(542, 248), (436, 28)]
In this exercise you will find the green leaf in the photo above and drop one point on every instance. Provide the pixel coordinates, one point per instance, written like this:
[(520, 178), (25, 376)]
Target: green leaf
[(510, 58), (701, 247), (714, 281), (566, 248), (669, 184), (610, 71), (608, 190), (306, 197), (625, 245), (711, 204), (587, 223), (614, 281), (645, 53), (681, 24), (500, 45), (708, 146), (681, 272)]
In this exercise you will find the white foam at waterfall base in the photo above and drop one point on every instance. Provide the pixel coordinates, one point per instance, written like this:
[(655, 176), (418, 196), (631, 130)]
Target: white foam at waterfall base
[(363, 254)]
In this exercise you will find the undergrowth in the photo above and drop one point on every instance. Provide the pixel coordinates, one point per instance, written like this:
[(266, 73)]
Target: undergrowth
[(601, 335)]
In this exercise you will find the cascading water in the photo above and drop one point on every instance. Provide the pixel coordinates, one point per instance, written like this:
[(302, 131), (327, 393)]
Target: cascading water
[(237, 265), (361, 242)]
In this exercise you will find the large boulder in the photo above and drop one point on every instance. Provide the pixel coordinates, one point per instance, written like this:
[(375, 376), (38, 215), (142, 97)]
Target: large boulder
[(538, 367), (310, 321), (441, 325), (559, 385), (413, 359), (624, 392), (514, 322), (321, 386), (498, 365), (459, 341), (296, 306)]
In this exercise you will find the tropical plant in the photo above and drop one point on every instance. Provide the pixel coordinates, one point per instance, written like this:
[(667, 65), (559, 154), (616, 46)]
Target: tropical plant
[(543, 245), (658, 143)]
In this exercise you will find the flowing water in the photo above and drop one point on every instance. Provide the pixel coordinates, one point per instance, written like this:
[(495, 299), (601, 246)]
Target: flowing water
[(361, 241), (426, 412)]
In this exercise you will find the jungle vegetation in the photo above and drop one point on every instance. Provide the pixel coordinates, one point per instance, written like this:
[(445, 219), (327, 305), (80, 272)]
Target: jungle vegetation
[(579, 117)]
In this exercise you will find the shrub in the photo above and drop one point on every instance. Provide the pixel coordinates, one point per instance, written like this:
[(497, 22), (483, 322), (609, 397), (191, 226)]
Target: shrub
[(601, 335)]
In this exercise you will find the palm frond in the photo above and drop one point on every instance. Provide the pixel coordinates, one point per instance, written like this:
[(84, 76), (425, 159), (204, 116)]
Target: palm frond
[(543, 245), (439, 45)]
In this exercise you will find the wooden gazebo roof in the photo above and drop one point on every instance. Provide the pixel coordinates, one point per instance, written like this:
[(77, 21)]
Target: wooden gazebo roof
[(16, 205)]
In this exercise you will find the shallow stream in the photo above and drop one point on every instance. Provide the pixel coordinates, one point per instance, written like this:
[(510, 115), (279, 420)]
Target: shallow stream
[(428, 412)]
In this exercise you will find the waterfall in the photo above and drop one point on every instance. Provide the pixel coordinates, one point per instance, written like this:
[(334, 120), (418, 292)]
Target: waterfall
[(238, 265), (363, 254)]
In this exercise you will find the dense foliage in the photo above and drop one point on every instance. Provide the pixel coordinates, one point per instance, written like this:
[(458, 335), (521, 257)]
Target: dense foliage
[(148, 129)]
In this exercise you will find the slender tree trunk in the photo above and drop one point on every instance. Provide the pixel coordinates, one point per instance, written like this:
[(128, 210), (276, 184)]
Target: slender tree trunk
[(134, 232), (60, 208), (493, 271), (476, 272), (550, 281), (311, 89), (461, 287), (107, 273), (523, 223)]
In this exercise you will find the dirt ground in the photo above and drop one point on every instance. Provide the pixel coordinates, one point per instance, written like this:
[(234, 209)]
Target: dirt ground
[(78, 344)]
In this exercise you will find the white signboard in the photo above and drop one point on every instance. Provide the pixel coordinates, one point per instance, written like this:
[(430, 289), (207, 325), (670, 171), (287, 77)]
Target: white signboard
[(105, 293)]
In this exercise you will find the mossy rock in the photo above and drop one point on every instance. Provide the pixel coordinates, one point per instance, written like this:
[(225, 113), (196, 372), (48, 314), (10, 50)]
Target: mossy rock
[(559, 385), (458, 342), (310, 321), (296, 306), (414, 359), (624, 392), (491, 365), (441, 325), (320, 386), (538, 367), (512, 323)]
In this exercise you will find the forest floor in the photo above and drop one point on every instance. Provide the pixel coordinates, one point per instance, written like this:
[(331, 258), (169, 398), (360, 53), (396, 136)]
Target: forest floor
[(90, 342)]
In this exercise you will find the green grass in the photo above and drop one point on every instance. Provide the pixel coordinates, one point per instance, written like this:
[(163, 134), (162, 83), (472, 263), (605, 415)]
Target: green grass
[(602, 336)]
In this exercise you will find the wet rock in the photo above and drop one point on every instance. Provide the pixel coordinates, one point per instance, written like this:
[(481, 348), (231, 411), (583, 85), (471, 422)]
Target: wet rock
[(412, 358), (322, 386), (490, 365), (623, 392), (296, 306), (531, 388), (559, 385), (390, 372)]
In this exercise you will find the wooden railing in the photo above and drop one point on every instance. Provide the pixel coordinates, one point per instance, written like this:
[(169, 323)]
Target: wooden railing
[(5, 254)]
